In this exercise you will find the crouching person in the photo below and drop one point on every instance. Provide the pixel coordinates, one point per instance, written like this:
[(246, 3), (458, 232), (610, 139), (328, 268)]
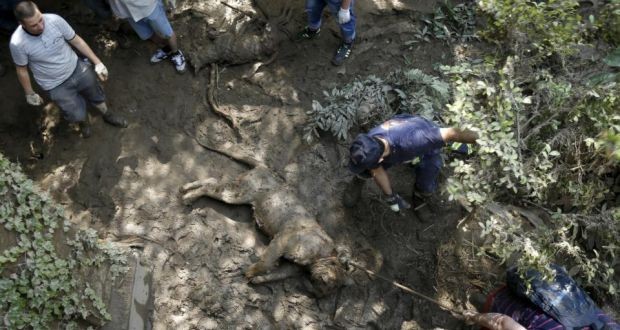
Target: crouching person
[(398, 140)]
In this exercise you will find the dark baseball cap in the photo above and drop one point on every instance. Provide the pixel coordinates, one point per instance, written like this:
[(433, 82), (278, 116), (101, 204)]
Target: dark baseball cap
[(364, 153)]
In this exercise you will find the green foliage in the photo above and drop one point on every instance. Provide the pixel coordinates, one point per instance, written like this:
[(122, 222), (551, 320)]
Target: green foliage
[(547, 27), (548, 137), (585, 245), (40, 284), (488, 101), (613, 59), (610, 22), (368, 102), (449, 23)]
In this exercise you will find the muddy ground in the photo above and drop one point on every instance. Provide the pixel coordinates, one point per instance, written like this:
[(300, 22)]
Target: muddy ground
[(125, 182)]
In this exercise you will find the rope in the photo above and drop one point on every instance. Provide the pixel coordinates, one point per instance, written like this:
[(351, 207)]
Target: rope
[(404, 288)]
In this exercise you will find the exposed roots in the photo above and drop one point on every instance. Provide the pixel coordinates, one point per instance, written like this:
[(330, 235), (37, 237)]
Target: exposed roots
[(211, 94)]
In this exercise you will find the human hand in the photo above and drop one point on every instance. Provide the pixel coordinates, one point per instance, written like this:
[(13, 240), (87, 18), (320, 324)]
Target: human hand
[(34, 99), (102, 71), (344, 16), (397, 203)]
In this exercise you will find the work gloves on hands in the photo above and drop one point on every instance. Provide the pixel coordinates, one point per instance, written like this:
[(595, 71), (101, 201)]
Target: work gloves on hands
[(344, 16), (34, 99), (102, 71), (397, 203)]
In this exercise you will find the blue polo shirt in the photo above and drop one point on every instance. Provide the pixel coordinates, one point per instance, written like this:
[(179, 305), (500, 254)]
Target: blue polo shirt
[(409, 137)]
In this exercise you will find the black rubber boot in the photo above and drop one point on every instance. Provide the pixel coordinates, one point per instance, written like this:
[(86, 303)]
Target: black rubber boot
[(353, 192), (85, 129), (114, 120), (308, 34), (342, 53)]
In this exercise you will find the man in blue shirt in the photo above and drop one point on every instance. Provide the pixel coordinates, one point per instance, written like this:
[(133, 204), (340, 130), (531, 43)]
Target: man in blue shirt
[(401, 139)]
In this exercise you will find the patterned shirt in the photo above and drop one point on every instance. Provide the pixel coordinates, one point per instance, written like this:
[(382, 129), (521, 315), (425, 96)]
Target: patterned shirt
[(532, 317)]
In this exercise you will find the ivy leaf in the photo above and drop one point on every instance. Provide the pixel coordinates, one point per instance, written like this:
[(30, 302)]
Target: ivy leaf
[(613, 59)]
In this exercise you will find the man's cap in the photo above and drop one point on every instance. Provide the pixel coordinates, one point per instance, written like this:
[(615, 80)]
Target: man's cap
[(364, 153)]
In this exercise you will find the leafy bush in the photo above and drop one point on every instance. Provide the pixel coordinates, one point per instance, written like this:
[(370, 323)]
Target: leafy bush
[(585, 244), (545, 27), (448, 23), (610, 22), (488, 101), (365, 103), (41, 282), (547, 138)]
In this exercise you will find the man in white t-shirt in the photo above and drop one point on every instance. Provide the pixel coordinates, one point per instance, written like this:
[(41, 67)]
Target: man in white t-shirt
[(42, 43)]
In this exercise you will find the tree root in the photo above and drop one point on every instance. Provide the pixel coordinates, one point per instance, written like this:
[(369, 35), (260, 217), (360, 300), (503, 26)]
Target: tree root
[(211, 90), (248, 76)]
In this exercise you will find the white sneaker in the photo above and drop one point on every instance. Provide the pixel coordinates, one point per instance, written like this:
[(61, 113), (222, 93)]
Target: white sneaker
[(159, 56), (179, 61)]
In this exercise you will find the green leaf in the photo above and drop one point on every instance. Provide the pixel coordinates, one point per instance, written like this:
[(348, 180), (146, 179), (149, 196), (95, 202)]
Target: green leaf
[(613, 59)]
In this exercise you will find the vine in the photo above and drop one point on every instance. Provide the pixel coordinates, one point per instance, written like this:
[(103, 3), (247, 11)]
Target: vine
[(41, 281)]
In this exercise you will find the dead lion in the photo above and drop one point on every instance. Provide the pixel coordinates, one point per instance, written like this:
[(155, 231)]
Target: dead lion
[(295, 233)]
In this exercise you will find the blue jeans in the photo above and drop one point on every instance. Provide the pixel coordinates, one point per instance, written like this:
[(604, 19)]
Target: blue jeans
[(427, 171), (314, 8), (157, 22)]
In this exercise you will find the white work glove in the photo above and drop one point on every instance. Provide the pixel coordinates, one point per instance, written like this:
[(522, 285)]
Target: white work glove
[(344, 16), (34, 99), (102, 71)]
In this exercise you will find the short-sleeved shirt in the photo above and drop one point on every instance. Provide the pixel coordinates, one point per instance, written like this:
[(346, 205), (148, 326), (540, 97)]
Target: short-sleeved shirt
[(409, 137), (134, 9), (48, 55)]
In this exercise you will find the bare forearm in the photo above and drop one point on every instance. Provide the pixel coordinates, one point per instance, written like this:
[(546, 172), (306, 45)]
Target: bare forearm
[(83, 48), (24, 79), (345, 4), (382, 180), (451, 134), (496, 321)]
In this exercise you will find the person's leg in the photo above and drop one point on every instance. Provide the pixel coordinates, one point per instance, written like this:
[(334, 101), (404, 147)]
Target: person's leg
[(427, 172), (164, 35), (142, 28), (347, 31), (88, 86), (314, 11), (72, 105), (168, 45)]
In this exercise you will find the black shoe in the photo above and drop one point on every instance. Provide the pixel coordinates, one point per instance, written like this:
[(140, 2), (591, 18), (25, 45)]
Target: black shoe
[(308, 34), (353, 192), (342, 53), (114, 120), (429, 202), (85, 129)]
